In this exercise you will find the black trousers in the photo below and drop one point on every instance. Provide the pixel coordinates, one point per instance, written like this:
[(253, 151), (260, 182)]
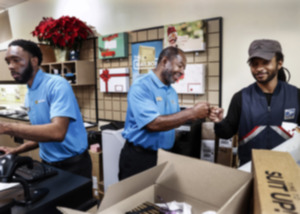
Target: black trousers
[(80, 164), (135, 159)]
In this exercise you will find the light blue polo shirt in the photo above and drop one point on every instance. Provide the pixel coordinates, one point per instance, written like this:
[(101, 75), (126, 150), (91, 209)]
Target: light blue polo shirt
[(149, 98), (52, 96)]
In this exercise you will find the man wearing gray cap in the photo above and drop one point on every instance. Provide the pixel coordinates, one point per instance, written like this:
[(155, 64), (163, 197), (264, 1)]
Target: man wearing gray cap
[(257, 112)]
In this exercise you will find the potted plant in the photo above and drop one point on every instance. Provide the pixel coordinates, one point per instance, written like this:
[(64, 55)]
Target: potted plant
[(65, 33)]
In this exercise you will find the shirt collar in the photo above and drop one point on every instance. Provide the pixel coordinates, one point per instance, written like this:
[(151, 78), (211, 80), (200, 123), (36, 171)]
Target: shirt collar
[(157, 81), (37, 80), (276, 90)]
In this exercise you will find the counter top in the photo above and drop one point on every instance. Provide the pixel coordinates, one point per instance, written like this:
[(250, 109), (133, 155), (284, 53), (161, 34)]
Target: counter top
[(16, 117), (25, 118)]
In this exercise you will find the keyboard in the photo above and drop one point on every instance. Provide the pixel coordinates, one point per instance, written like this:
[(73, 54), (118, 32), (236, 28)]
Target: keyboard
[(39, 171)]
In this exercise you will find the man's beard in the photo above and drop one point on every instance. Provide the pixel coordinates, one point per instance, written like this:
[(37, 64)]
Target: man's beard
[(270, 77), (167, 76), (26, 75)]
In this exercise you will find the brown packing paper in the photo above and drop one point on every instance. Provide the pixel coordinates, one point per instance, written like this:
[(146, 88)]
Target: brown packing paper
[(208, 131), (97, 174)]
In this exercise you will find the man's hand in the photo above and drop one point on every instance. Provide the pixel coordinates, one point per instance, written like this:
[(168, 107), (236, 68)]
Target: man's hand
[(216, 114), (201, 110), (54, 131), (24, 147), (2, 127), (7, 150)]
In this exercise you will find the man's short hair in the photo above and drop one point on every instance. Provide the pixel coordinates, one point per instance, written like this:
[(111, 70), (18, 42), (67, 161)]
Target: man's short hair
[(169, 52), (30, 47)]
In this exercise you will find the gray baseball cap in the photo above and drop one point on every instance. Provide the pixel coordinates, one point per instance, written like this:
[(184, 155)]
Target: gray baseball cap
[(264, 48)]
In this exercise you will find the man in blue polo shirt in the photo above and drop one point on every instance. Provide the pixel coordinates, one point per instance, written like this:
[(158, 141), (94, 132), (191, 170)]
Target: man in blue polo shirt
[(56, 122), (153, 112)]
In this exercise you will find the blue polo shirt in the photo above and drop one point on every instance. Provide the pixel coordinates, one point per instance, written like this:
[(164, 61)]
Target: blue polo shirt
[(52, 96), (149, 98)]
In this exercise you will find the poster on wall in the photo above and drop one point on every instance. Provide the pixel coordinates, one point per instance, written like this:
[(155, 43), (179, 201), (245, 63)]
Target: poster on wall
[(114, 80), (188, 36), (113, 46), (12, 93), (193, 80), (145, 56)]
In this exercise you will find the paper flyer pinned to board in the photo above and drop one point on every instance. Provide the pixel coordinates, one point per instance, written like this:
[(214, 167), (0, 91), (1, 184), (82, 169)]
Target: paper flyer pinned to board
[(193, 80)]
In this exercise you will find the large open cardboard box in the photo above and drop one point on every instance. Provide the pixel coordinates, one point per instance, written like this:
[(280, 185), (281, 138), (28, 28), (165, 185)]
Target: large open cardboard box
[(203, 185), (276, 182)]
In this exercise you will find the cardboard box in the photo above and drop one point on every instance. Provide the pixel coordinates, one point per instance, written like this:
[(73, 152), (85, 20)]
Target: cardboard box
[(225, 153), (97, 173), (225, 156), (276, 182), (114, 80), (291, 146), (208, 150), (203, 185), (208, 142)]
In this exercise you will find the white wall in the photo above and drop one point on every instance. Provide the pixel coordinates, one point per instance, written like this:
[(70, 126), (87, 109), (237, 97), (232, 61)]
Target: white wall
[(243, 21)]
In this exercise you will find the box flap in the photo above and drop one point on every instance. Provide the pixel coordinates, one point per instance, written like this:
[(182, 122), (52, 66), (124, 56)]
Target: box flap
[(123, 189), (65, 210), (212, 183), (131, 202), (239, 202), (276, 182)]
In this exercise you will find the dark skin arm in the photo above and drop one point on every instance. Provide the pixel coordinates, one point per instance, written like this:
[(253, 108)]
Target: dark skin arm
[(54, 131), (167, 122), (27, 146)]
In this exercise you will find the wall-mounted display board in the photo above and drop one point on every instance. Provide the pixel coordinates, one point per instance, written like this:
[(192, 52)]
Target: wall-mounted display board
[(188, 36), (193, 80), (113, 46), (144, 56), (207, 58)]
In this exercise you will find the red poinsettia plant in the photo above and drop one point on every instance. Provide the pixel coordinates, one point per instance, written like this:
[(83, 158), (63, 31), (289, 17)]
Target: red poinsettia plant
[(65, 32)]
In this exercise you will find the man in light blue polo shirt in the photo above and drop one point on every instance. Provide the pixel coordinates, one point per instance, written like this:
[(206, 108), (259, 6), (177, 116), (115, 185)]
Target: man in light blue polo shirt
[(153, 112), (56, 122)]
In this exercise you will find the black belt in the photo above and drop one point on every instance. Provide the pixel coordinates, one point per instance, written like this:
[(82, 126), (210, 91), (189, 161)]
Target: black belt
[(139, 148), (68, 161)]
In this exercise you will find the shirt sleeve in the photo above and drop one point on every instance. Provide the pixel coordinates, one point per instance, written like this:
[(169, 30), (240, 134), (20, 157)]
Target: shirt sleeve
[(229, 125), (143, 105), (62, 101)]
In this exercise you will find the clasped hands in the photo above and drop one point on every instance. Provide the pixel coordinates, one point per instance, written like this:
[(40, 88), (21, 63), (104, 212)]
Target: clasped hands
[(203, 110)]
